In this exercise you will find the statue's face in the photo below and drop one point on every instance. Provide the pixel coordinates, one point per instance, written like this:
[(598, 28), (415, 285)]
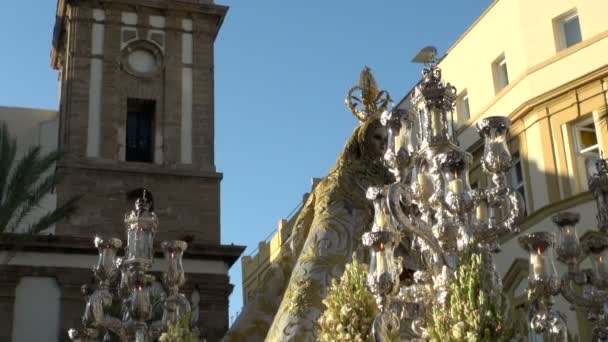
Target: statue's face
[(378, 141)]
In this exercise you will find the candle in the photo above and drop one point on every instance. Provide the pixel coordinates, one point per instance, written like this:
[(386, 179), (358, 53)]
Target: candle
[(423, 183), (538, 263), (482, 212), (380, 220), (402, 140), (456, 185), (436, 122), (600, 266), (381, 265)]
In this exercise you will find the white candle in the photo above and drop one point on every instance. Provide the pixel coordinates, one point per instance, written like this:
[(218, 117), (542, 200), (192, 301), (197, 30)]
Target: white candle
[(456, 186), (538, 264), (380, 219), (482, 212), (381, 265), (436, 122), (423, 183)]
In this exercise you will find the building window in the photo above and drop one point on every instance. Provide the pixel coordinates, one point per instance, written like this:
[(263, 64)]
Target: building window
[(501, 75), (462, 106), (567, 30), (140, 124), (587, 149), (517, 177)]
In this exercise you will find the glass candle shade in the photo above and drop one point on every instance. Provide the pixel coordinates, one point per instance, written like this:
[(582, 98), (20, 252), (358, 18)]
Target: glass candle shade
[(382, 267), (140, 244), (382, 218), (424, 184), (454, 166), (436, 122), (141, 225), (496, 157), (597, 249), (140, 304), (174, 251), (481, 212), (404, 140), (568, 247), (106, 266), (542, 279)]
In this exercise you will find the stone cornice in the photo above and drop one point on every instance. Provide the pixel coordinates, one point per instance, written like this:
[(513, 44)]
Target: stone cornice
[(138, 168), (80, 245)]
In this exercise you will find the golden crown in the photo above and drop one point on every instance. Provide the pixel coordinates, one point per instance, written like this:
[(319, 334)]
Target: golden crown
[(365, 100)]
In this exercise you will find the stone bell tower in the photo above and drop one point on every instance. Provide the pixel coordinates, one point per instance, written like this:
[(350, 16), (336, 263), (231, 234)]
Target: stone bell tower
[(137, 111)]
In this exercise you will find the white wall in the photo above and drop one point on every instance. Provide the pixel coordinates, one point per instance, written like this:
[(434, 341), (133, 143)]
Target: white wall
[(33, 127), (37, 310)]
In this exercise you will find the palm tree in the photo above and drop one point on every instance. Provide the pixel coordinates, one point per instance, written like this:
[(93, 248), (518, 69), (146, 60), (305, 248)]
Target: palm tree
[(24, 183)]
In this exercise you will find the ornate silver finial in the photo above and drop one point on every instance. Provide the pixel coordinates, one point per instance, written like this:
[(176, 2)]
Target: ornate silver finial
[(144, 202)]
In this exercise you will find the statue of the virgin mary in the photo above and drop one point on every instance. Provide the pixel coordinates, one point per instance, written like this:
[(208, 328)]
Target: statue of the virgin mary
[(326, 233)]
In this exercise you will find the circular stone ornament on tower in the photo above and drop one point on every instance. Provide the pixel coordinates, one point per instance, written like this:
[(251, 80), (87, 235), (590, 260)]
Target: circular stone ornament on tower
[(142, 58)]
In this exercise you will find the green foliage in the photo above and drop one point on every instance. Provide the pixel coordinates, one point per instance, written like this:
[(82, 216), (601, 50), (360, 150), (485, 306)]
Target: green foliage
[(475, 314), (181, 331), (350, 307), (24, 183)]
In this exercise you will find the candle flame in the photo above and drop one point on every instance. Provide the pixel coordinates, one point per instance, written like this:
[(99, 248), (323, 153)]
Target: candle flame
[(540, 249), (381, 246)]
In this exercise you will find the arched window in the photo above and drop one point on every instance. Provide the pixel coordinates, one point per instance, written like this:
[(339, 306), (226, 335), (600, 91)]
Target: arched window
[(37, 310)]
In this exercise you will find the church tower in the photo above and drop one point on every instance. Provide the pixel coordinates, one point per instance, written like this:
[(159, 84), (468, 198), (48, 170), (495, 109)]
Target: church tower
[(137, 111)]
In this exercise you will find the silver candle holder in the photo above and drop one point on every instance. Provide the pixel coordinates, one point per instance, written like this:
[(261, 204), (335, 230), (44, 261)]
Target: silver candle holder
[(127, 281), (431, 204), (593, 281)]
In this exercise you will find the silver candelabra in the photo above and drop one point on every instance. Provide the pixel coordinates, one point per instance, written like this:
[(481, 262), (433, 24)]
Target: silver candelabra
[(121, 303), (586, 289), (431, 207)]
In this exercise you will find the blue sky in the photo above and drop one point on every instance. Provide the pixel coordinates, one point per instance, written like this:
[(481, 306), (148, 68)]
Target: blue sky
[(282, 71)]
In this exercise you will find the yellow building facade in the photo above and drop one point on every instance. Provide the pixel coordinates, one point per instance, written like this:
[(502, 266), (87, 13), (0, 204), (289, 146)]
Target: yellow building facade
[(544, 64), (255, 265)]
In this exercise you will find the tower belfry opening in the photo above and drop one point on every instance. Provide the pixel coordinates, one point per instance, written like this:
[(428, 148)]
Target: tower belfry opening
[(140, 125)]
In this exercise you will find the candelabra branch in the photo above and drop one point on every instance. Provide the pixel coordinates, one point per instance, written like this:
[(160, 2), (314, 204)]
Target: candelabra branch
[(568, 291), (398, 193)]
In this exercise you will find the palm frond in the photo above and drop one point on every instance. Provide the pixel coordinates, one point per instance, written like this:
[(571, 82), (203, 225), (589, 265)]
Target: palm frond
[(24, 175), (63, 212), (35, 195), (8, 150), (24, 184)]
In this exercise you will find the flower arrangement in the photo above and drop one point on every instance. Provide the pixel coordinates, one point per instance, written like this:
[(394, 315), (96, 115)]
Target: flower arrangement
[(181, 331), (475, 313), (350, 307)]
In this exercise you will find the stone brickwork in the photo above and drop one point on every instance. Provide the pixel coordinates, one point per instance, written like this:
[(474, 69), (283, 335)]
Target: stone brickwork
[(187, 203), (186, 195), (214, 290)]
